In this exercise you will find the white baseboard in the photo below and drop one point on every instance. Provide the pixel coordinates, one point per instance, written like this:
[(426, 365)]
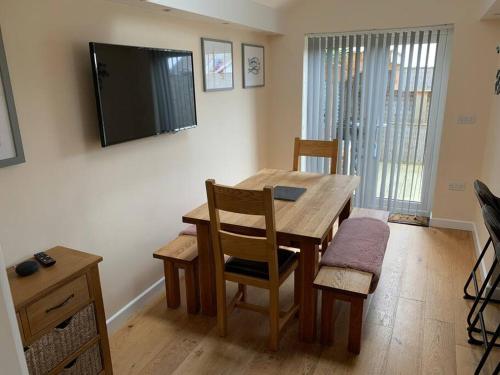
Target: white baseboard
[(451, 224), (118, 319)]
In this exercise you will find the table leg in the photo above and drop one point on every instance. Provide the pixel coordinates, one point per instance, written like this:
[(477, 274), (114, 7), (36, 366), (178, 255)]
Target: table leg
[(308, 301), (346, 211), (172, 284), (206, 271)]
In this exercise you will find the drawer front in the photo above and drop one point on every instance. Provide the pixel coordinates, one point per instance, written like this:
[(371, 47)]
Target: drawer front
[(88, 363), (58, 304), (60, 342)]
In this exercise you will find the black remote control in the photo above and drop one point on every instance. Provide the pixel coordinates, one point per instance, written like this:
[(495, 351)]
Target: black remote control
[(44, 259)]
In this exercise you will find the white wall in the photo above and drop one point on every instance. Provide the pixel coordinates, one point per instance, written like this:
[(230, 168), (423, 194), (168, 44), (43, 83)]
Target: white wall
[(125, 201), (490, 171)]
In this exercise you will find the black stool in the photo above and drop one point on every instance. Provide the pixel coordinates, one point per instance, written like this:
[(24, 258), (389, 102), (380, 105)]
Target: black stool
[(485, 197), (492, 222)]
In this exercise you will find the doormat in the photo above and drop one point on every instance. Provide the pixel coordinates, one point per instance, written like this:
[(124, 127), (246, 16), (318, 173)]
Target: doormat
[(421, 221)]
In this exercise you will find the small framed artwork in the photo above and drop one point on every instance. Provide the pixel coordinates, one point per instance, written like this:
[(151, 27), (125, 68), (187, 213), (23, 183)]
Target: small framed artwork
[(217, 58), (11, 148), (253, 65)]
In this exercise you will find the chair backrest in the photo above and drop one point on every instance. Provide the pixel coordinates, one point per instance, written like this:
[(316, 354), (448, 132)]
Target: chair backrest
[(485, 196), (323, 149), (247, 202), (492, 221)]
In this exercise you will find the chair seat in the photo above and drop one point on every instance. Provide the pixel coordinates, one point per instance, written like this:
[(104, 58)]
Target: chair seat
[(260, 269)]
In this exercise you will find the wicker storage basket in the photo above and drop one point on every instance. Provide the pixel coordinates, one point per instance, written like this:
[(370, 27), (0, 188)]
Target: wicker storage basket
[(55, 346), (89, 363)]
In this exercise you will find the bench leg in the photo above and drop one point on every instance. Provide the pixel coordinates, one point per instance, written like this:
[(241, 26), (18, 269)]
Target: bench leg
[(192, 288), (327, 303), (172, 284), (355, 325)]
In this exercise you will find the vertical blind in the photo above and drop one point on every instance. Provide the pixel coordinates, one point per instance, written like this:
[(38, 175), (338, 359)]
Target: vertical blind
[(375, 92)]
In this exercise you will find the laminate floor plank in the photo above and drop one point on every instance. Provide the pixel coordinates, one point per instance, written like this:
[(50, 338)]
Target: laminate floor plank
[(405, 350)]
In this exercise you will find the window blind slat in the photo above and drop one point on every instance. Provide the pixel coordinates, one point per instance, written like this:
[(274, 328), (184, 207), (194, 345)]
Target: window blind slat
[(335, 87), (384, 73), (342, 83), (412, 117), (373, 46), (310, 86), (397, 122), (310, 90), (321, 100), (378, 110), (355, 107), (315, 109), (388, 121), (405, 109), (329, 90), (362, 105), (419, 122), (348, 104)]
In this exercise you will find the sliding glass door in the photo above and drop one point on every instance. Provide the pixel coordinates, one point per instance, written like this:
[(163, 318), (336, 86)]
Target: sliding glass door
[(381, 95)]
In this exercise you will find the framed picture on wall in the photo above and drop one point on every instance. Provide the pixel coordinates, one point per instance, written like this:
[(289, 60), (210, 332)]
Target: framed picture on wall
[(11, 148), (217, 58), (253, 65)]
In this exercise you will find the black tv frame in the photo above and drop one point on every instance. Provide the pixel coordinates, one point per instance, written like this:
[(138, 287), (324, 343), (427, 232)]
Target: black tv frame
[(95, 77)]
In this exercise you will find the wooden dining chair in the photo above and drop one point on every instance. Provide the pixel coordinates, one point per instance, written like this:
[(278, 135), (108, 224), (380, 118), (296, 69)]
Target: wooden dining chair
[(255, 261), (323, 149)]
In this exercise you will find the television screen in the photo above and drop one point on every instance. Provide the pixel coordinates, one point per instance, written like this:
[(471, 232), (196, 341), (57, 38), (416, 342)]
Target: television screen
[(142, 92)]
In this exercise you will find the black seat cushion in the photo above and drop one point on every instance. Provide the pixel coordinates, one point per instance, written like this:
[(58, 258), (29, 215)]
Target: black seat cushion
[(260, 269)]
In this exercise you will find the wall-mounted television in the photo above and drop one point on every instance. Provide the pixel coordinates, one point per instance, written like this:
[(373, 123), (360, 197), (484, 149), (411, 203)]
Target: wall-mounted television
[(141, 92)]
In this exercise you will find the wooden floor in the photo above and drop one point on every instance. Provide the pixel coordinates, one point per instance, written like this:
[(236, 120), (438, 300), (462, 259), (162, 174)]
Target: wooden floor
[(415, 324)]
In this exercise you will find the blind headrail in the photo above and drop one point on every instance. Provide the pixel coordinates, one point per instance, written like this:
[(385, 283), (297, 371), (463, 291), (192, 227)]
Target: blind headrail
[(442, 28)]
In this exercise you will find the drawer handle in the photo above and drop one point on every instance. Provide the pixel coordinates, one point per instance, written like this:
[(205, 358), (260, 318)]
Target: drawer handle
[(63, 303)]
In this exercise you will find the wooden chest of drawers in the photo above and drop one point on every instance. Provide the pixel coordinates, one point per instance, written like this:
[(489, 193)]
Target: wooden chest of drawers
[(61, 316)]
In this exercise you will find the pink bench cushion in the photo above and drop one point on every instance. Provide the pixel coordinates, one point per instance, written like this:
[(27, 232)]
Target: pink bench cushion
[(359, 244), (190, 230)]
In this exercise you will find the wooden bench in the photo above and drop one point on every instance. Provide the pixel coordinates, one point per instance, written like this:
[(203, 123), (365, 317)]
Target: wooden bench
[(346, 284), (181, 253)]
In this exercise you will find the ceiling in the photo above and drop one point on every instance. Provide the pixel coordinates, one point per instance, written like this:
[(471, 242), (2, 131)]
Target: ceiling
[(275, 3)]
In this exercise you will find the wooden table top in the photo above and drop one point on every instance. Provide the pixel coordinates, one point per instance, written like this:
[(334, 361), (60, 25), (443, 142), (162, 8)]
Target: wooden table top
[(69, 262), (308, 218)]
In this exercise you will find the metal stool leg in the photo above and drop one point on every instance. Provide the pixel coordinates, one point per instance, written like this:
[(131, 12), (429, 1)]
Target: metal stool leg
[(479, 297), (489, 347), (479, 317), (467, 295), (472, 276)]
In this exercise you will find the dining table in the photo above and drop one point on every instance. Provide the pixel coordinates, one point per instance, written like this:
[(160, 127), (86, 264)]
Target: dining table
[(304, 224)]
